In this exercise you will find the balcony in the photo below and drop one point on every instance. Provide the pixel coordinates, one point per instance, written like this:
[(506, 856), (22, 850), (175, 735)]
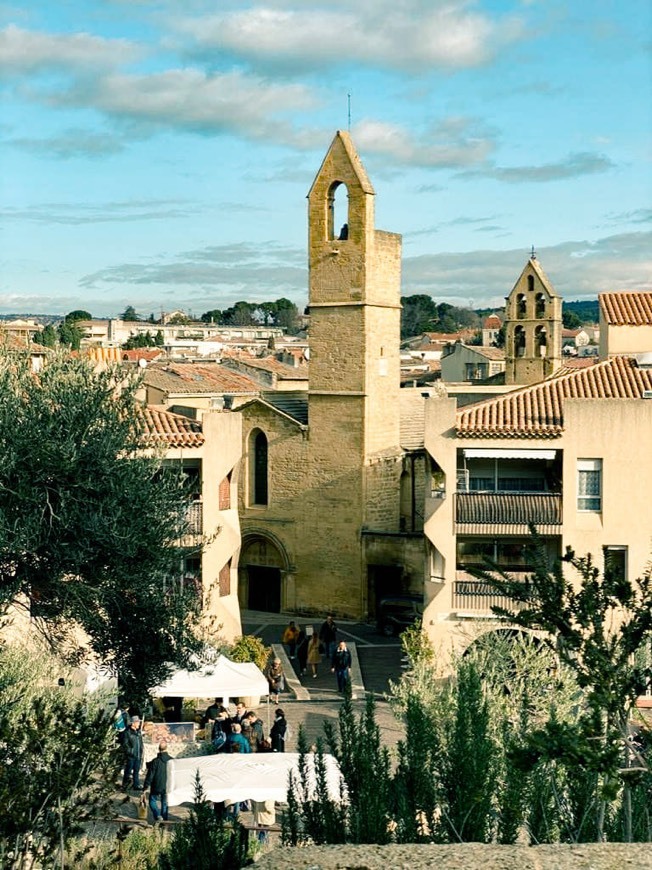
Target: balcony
[(476, 597), (507, 513), (194, 518)]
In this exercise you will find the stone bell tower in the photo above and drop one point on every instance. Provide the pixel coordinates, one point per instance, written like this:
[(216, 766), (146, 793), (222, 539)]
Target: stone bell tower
[(354, 418), (533, 326)]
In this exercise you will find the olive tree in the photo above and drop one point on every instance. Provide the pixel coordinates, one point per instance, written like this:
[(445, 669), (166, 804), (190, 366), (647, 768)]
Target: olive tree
[(90, 518)]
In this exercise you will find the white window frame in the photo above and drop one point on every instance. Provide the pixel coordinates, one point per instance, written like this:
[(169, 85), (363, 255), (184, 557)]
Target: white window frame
[(589, 465)]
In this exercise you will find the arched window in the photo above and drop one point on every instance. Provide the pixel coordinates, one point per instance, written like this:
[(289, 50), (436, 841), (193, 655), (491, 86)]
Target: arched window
[(258, 488), (338, 211), (540, 305), (520, 305), (541, 340), (519, 341), (530, 283)]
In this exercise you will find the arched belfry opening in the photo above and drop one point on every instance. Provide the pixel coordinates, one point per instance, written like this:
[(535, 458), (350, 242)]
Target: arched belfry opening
[(338, 211)]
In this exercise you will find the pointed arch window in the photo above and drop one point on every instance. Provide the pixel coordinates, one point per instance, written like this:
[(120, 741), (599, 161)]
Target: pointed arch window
[(338, 211), (258, 468), (540, 305)]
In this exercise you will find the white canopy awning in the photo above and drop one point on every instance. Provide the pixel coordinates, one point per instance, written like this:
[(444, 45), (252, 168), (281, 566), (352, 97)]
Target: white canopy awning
[(220, 679), (499, 453), (259, 776)]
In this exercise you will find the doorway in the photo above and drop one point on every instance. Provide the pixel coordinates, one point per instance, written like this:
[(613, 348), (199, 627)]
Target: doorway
[(264, 588), (384, 581)]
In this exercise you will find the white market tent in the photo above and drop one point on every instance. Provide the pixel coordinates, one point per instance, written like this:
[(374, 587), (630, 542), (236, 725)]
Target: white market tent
[(259, 776), (219, 679)]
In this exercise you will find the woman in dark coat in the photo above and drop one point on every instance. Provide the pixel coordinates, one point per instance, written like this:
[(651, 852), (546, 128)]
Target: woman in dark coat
[(278, 731)]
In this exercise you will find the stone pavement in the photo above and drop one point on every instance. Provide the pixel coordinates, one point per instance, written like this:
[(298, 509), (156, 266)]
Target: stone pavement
[(311, 702)]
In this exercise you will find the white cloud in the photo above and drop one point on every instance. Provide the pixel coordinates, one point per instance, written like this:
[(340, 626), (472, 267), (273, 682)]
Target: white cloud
[(454, 142), (410, 35), (192, 100), (27, 51), (576, 269)]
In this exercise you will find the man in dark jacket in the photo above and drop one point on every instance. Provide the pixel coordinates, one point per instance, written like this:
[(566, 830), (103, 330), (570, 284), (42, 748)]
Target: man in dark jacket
[(328, 636), (341, 666), (132, 745), (156, 779), (253, 731)]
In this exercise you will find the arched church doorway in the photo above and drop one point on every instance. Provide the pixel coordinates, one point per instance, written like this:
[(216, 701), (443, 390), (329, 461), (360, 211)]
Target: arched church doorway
[(262, 564)]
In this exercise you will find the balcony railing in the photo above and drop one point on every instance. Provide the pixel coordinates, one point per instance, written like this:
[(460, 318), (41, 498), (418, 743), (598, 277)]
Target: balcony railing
[(194, 518), (478, 597), (508, 509)]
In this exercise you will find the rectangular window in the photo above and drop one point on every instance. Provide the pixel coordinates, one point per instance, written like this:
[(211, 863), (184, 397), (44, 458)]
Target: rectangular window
[(225, 579), (615, 562), (589, 485), (225, 493)]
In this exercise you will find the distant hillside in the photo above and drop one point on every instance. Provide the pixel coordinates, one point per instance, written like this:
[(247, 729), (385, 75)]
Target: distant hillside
[(586, 309)]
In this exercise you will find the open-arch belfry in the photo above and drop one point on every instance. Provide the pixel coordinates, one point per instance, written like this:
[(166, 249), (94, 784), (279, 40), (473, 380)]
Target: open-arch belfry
[(533, 326)]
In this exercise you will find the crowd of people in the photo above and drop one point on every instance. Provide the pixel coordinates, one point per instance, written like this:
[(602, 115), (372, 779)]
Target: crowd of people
[(240, 732)]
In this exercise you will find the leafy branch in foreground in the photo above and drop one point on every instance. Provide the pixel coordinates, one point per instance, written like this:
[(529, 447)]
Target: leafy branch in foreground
[(596, 623)]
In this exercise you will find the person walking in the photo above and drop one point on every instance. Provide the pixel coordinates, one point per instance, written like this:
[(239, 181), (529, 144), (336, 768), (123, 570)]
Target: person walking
[(278, 731), (156, 779), (276, 680), (290, 637), (328, 636), (341, 666), (314, 655), (132, 745)]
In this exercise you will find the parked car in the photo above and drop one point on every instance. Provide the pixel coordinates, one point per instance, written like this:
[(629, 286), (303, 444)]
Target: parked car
[(398, 613)]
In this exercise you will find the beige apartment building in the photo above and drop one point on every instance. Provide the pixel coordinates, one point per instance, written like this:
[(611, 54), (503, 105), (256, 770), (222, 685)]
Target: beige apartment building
[(571, 454), (209, 450)]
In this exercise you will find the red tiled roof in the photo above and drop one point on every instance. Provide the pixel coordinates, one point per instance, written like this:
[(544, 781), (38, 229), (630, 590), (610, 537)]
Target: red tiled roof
[(622, 308), (175, 430), (492, 322), (191, 378), (536, 411), (138, 353), (275, 366)]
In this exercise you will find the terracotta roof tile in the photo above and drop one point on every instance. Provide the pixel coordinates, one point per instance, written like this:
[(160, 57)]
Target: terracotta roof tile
[(175, 430), (623, 308), (191, 378), (537, 411)]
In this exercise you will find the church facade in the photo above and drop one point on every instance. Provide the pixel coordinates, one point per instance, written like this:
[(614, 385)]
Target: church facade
[(330, 509)]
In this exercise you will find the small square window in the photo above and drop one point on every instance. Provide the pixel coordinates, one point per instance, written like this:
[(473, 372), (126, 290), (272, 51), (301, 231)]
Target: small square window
[(589, 485)]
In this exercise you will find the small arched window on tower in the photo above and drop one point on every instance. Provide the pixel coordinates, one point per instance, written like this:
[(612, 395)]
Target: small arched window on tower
[(258, 488), (519, 341), (541, 341), (530, 283), (338, 212), (520, 305), (540, 305)]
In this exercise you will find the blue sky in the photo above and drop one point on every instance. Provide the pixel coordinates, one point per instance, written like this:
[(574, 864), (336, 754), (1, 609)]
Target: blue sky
[(158, 153)]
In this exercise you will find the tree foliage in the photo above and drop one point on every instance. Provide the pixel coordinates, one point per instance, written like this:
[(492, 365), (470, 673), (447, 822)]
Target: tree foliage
[(90, 516), (57, 758), (129, 314), (596, 623), (420, 313)]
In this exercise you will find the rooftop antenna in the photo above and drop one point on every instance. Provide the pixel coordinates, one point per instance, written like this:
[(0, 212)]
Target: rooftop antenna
[(533, 254), (348, 98)]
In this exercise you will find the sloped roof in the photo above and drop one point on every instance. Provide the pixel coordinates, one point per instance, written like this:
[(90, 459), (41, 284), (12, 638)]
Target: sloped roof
[(494, 353), (275, 366), (191, 378), (537, 411), (622, 308), (175, 430), (295, 405), (492, 321), (147, 353)]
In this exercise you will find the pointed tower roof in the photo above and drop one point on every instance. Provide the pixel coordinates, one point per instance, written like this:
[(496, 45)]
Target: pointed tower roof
[(536, 267), (342, 142)]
